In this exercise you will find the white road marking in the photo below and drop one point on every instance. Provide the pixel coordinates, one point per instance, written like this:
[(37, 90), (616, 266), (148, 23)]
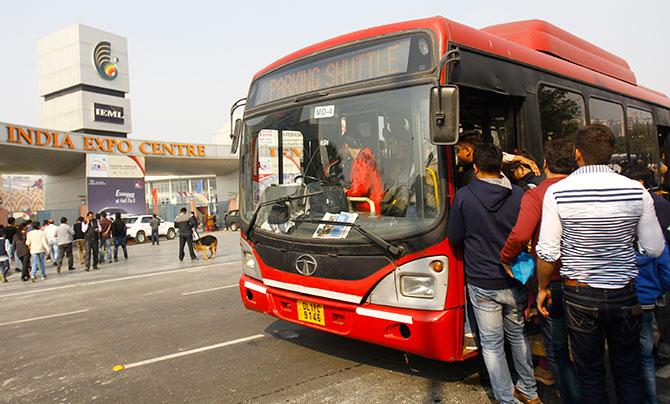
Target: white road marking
[(189, 352), (44, 317), (209, 290), (125, 278)]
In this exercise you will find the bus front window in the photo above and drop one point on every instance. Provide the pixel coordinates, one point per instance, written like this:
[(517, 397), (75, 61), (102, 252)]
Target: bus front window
[(368, 155)]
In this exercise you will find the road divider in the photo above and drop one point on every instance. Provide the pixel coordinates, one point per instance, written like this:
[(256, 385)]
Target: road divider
[(70, 313), (209, 290), (119, 368)]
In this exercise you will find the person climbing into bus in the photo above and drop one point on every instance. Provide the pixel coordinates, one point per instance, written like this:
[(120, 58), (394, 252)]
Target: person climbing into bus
[(365, 178), (482, 215), (465, 150)]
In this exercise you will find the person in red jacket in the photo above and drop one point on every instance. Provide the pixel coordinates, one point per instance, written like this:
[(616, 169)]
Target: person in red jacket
[(559, 163), (366, 180)]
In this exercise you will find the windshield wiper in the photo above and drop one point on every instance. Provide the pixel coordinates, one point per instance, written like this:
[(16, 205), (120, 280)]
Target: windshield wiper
[(284, 199), (395, 250)]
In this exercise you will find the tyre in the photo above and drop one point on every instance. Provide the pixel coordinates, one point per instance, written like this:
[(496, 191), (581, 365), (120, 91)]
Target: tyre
[(140, 237), (233, 227), (171, 234)]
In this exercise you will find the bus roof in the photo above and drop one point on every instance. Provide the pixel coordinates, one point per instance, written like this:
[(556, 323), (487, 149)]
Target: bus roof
[(534, 42)]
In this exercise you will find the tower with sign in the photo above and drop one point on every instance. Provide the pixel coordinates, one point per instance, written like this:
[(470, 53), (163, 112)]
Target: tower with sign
[(83, 80)]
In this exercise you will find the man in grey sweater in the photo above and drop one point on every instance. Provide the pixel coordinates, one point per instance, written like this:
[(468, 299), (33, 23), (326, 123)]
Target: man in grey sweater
[(65, 239)]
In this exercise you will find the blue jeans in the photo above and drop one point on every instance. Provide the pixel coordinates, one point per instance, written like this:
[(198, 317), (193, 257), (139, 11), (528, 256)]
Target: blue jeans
[(499, 315), (120, 242), (4, 265), (555, 333), (597, 316), (35, 260), (106, 249), (647, 355)]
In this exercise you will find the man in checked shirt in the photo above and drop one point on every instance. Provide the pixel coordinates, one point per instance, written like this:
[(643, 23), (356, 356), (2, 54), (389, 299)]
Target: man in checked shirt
[(591, 221)]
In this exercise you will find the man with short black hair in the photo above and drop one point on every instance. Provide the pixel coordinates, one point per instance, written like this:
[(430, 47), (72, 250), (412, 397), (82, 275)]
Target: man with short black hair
[(591, 221), (183, 223), (559, 162), (65, 238), (482, 215), (91, 229)]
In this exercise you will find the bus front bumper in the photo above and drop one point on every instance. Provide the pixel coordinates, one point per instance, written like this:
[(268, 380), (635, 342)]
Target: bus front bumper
[(431, 334)]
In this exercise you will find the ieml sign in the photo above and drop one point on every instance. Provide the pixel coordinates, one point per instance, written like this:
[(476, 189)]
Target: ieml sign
[(107, 113)]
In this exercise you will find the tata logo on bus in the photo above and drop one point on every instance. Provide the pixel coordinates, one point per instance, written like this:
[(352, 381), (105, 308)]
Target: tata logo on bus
[(104, 63), (306, 265)]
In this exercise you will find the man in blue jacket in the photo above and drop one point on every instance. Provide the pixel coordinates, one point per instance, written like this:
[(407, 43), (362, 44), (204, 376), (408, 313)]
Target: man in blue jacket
[(652, 281), (482, 216)]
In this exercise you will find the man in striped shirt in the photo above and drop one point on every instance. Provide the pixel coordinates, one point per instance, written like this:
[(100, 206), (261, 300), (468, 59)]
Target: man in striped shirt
[(591, 221)]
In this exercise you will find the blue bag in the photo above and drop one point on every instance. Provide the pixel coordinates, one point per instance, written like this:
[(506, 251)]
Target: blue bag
[(523, 267)]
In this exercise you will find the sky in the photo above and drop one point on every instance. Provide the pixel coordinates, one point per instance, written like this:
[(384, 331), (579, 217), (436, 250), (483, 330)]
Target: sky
[(190, 60)]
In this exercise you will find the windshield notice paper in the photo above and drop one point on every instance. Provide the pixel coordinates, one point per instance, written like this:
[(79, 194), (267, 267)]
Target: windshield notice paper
[(332, 231)]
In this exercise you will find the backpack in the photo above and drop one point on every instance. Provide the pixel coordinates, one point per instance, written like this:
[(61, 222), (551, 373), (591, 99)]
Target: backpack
[(332, 200), (395, 201)]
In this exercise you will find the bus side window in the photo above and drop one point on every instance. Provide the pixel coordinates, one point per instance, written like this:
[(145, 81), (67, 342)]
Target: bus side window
[(610, 114), (491, 114), (562, 112)]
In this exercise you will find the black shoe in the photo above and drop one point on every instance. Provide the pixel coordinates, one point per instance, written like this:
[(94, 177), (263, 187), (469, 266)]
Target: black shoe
[(116, 260), (96, 268), (87, 269)]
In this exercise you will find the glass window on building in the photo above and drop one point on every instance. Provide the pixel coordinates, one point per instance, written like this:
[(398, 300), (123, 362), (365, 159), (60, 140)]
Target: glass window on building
[(610, 114), (562, 112)]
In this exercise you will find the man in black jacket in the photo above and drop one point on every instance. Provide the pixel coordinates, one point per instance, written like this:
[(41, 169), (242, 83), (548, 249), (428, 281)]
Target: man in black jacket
[(119, 232), (185, 225), (483, 214)]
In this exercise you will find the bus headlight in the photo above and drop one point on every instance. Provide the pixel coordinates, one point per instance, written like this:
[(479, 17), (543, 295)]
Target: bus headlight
[(249, 264), (417, 286)]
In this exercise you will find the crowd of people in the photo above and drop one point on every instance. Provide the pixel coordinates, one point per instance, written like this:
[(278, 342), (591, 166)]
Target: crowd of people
[(30, 245), (599, 241)]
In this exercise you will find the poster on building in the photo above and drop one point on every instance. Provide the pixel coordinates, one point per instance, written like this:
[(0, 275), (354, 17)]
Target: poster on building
[(124, 195), (109, 166)]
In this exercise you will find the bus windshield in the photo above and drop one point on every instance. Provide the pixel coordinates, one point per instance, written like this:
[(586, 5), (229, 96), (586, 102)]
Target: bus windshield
[(367, 158)]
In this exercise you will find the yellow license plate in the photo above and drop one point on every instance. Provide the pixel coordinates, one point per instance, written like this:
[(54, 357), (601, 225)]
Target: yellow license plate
[(311, 312)]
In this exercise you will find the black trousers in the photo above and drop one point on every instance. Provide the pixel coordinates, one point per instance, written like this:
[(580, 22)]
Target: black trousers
[(593, 316), (25, 266), (92, 250), (65, 249), (186, 240)]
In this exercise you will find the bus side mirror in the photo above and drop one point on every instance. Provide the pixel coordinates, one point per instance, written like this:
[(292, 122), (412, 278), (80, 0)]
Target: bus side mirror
[(444, 118), (235, 136)]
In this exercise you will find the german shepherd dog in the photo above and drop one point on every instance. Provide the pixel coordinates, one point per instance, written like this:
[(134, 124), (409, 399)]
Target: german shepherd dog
[(204, 244)]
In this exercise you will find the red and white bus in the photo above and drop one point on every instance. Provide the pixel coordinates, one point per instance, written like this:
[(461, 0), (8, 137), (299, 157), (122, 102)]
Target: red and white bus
[(405, 91)]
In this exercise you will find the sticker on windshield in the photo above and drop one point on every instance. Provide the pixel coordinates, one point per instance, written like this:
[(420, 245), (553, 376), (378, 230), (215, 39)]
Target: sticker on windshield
[(324, 111), (334, 231)]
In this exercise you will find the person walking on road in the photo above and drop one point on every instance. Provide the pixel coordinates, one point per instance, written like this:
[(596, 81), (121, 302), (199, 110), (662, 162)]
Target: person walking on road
[(39, 247), (79, 242), (184, 224), (592, 220), (51, 233), (119, 231), (5, 254), (22, 251), (105, 238), (10, 231), (65, 240), (92, 230), (154, 223)]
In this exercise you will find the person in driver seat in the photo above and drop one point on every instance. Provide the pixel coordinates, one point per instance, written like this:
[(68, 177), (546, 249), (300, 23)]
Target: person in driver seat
[(366, 180)]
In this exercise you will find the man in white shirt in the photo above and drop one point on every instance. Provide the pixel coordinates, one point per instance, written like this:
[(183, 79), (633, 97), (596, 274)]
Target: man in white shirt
[(65, 240), (51, 233), (37, 242), (591, 221)]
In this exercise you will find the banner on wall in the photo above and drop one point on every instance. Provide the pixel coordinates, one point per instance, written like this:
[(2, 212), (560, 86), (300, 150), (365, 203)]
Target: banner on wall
[(103, 165), (124, 195)]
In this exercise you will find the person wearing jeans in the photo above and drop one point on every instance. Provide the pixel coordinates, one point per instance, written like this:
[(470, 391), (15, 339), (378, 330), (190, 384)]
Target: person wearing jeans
[(555, 336), (119, 231), (592, 221), (558, 164), (482, 215), (37, 242), (500, 317)]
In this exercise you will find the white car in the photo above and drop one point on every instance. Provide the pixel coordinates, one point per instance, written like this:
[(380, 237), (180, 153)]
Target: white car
[(139, 228)]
